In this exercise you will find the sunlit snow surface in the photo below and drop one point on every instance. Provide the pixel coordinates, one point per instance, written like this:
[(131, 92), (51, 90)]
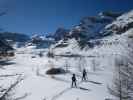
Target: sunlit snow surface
[(39, 86)]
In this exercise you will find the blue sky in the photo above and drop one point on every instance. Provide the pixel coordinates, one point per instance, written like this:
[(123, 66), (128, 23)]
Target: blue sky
[(45, 16)]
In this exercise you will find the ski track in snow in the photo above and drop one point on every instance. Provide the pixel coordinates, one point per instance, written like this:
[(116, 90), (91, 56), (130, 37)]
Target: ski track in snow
[(61, 93)]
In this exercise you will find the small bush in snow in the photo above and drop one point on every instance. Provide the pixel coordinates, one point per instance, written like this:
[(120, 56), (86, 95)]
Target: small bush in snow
[(56, 71)]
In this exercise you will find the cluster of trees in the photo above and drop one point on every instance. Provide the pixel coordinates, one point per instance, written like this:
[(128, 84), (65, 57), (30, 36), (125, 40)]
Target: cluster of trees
[(123, 81)]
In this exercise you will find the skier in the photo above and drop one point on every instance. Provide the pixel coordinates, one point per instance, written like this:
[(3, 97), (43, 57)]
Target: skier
[(40, 54), (84, 75), (74, 84)]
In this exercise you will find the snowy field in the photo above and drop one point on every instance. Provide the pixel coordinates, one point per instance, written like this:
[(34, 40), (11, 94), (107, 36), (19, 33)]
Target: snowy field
[(36, 85)]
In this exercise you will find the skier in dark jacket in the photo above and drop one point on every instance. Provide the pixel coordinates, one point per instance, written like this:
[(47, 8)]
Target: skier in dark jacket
[(74, 84), (84, 75)]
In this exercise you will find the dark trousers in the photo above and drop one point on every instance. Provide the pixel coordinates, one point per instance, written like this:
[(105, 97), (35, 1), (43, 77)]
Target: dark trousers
[(84, 78), (74, 84)]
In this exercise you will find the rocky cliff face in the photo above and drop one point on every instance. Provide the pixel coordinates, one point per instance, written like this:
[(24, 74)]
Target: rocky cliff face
[(92, 27)]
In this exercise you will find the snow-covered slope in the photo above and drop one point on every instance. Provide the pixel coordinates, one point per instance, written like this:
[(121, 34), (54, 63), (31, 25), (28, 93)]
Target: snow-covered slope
[(40, 41), (121, 24), (99, 63)]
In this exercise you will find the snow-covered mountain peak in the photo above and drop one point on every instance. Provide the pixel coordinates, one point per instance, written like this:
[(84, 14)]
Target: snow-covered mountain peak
[(109, 44), (121, 24)]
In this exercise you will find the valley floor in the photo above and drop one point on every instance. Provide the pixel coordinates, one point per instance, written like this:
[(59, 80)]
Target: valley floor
[(36, 85)]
